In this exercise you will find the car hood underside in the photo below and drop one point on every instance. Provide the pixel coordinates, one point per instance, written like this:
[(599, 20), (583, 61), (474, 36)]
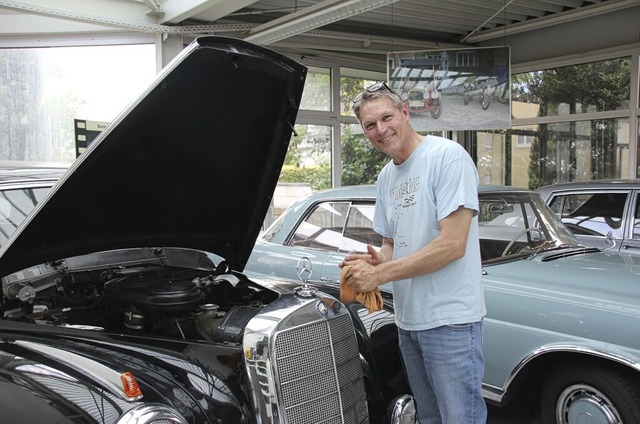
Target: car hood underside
[(192, 163)]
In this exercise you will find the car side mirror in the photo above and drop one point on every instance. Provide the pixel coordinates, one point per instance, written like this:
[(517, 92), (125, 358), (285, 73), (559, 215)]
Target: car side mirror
[(609, 239)]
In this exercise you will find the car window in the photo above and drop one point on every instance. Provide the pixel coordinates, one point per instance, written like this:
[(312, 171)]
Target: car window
[(15, 205), (337, 226), (509, 224), (594, 214), (273, 229), (358, 231), (636, 219)]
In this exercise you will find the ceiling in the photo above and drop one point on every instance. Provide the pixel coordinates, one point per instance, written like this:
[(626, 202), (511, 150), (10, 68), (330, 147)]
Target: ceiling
[(354, 28)]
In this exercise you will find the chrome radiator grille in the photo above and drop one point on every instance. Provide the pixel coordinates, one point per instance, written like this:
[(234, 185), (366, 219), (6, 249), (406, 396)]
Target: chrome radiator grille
[(320, 382)]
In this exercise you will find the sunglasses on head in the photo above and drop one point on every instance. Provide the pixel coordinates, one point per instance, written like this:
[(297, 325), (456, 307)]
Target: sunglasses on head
[(376, 86)]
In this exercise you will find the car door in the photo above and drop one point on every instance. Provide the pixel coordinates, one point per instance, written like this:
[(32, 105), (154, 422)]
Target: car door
[(593, 215), (631, 242)]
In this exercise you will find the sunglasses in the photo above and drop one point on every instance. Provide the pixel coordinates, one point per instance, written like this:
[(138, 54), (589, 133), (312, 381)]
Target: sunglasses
[(376, 86)]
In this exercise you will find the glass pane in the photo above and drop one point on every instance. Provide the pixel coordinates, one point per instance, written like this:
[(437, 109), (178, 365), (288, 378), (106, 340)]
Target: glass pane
[(360, 162), (585, 88), (317, 90), (508, 224), (569, 151), (491, 158), (308, 159), (636, 220), (358, 232), (638, 152), (594, 214), (322, 229), (349, 88), (44, 89)]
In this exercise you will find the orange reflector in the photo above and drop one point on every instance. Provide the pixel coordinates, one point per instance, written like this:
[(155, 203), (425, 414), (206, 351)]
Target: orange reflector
[(130, 385)]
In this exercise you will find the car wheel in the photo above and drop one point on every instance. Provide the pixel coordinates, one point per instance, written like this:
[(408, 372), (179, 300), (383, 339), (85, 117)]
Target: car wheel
[(586, 394), (486, 101), (437, 108)]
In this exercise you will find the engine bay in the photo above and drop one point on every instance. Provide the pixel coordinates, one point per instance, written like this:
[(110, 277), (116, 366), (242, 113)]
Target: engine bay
[(154, 297)]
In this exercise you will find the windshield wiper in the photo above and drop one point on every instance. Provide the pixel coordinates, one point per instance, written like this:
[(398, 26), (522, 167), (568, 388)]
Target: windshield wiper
[(543, 246)]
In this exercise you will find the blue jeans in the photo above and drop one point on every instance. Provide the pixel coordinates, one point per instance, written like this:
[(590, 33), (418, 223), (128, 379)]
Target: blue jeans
[(445, 367)]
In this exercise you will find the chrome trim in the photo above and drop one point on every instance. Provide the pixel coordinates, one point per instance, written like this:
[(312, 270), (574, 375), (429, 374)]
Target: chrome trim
[(497, 394), (403, 410), (302, 361), (493, 393), (99, 372), (152, 413)]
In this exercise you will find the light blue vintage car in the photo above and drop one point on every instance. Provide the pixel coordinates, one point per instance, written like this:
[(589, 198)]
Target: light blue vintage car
[(562, 333)]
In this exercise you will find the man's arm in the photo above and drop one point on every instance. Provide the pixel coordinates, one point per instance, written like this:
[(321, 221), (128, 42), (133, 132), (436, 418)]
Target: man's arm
[(449, 246)]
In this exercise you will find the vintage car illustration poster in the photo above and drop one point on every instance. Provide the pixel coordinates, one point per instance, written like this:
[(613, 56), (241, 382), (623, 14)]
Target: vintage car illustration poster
[(454, 89)]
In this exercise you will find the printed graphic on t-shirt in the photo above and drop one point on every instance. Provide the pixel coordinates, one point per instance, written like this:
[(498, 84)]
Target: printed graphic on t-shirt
[(401, 197)]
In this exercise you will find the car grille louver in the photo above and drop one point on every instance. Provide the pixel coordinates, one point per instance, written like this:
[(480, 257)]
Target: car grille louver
[(304, 367)]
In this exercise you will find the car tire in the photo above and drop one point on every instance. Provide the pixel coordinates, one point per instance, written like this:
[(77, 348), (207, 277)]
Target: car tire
[(485, 101), (605, 395), (436, 111)]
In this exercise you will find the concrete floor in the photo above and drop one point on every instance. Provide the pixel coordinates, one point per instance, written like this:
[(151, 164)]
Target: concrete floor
[(511, 415)]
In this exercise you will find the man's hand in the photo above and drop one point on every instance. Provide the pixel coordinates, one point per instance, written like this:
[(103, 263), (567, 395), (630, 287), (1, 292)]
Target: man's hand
[(363, 273)]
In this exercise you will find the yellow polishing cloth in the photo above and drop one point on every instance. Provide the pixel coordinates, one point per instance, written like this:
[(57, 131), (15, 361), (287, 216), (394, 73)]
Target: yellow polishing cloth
[(371, 299)]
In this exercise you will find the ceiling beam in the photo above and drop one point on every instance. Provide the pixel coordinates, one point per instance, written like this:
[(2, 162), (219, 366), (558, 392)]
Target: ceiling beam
[(557, 19), (119, 14), (312, 17), (176, 11)]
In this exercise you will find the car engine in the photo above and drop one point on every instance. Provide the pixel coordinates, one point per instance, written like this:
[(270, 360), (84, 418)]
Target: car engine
[(153, 298)]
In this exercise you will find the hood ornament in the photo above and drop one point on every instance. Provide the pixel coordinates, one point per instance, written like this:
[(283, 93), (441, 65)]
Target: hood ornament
[(305, 269)]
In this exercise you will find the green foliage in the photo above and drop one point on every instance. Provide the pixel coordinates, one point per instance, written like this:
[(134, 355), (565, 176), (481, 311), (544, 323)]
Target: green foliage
[(318, 177), (361, 163), (591, 87)]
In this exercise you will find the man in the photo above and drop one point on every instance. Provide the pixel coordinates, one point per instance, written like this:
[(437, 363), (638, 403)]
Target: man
[(426, 211)]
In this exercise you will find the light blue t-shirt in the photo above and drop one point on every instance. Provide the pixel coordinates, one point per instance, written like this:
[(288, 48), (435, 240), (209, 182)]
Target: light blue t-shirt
[(413, 197)]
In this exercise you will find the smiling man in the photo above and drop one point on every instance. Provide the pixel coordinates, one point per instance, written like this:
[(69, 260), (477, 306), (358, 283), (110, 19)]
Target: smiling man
[(426, 210)]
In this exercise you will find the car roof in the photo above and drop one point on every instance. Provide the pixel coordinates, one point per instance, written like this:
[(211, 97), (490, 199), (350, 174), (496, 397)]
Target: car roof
[(12, 172), (608, 184), (368, 192)]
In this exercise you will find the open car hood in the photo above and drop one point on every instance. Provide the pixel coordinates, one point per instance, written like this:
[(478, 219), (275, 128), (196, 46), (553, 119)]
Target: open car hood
[(192, 163)]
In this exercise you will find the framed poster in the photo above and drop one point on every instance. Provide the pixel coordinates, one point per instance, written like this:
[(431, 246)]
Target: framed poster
[(454, 89)]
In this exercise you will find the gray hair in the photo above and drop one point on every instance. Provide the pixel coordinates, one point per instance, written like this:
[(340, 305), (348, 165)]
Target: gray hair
[(375, 91)]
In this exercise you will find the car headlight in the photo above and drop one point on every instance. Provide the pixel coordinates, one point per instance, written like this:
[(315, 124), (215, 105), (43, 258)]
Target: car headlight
[(152, 414)]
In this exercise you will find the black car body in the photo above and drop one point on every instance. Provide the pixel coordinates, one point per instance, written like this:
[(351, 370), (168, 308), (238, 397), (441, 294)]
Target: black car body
[(123, 298)]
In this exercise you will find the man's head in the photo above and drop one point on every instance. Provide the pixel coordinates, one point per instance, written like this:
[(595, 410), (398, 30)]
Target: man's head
[(384, 118), (372, 92)]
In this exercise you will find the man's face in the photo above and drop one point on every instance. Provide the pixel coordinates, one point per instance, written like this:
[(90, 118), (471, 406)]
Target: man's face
[(386, 127)]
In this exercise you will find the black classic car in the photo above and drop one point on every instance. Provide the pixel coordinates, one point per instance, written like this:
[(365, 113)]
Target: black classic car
[(123, 298)]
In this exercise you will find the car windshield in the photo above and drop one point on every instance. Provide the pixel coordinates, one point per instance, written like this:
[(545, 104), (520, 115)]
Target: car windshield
[(517, 223)]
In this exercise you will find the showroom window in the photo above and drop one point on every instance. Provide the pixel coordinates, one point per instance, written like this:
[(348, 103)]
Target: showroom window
[(317, 89), (45, 89), (569, 123)]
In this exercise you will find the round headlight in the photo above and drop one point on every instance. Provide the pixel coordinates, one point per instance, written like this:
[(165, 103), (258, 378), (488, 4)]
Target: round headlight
[(152, 414)]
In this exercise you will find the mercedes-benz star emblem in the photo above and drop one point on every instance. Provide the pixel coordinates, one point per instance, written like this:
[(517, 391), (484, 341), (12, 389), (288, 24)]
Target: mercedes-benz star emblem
[(304, 269)]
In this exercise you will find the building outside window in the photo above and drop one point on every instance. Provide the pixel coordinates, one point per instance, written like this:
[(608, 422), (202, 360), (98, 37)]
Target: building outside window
[(570, 123), (574, 120)]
